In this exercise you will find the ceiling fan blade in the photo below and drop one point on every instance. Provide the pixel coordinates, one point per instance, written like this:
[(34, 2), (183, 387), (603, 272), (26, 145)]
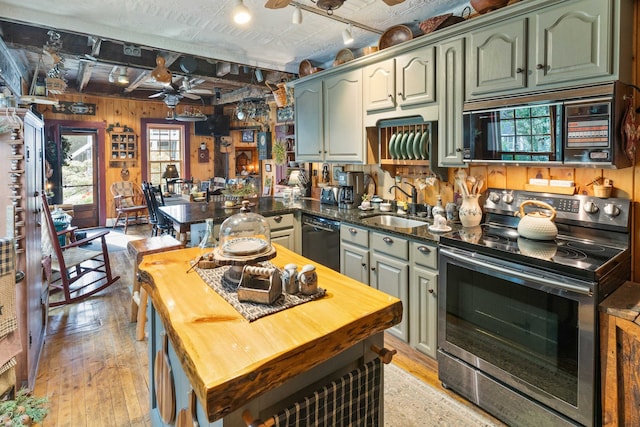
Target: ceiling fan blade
[(156, 95), (393, 2), (190, 95), (202, 91), (277, 4)]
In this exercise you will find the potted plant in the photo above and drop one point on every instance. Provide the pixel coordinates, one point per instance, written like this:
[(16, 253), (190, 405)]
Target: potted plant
[(280, 152), (24, 410), (366, 201)]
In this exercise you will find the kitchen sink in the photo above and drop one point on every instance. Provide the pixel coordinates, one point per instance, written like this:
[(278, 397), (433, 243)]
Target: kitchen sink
[(393, 221)]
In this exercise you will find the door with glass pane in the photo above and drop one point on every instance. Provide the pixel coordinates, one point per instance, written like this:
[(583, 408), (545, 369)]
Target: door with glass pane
[(80, 176)]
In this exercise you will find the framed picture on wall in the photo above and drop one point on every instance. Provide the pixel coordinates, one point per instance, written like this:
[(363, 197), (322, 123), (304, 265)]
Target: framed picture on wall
[(247, 135), (267, 167)]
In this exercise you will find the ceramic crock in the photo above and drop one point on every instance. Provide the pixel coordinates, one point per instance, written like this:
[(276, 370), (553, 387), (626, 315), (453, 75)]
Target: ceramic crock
[(537, 225)]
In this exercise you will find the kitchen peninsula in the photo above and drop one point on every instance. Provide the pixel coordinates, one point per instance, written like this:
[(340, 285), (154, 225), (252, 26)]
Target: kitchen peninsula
[(215, 364)]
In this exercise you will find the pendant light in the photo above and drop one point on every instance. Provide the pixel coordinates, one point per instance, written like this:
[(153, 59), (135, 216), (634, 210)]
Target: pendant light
[(347, 38), (241, 13), (297, 16)]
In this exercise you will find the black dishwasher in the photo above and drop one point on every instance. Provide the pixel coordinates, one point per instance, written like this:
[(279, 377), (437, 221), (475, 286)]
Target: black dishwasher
[(321, 240)]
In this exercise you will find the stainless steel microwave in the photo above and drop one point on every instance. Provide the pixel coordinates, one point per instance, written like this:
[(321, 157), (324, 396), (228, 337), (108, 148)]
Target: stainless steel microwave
[(579, 127)]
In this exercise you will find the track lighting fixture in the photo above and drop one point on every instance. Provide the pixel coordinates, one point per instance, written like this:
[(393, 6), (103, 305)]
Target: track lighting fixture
[(241, 13), (347, 37), (259, 76), (297, 16)]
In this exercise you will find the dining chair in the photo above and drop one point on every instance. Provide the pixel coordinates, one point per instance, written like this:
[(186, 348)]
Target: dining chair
[(154, 199), (129, 201), (81, 270)]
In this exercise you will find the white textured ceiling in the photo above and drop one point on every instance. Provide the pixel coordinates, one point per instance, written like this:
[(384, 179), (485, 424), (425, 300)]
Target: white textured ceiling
[(204, 27)]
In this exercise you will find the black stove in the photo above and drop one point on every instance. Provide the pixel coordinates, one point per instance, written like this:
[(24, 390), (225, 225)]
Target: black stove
[(593, 237)]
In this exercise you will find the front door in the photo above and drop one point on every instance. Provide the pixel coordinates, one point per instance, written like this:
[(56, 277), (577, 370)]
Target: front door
[(80, 176)]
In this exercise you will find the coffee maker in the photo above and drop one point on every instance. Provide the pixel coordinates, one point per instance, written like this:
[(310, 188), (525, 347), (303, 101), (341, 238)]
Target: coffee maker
[(351, 189)]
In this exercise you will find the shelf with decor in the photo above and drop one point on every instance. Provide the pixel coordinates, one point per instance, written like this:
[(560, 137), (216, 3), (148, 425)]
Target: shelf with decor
[(124, 148)]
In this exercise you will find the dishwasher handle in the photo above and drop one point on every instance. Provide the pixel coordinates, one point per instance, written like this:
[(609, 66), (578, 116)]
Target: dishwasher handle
[(321, 223)]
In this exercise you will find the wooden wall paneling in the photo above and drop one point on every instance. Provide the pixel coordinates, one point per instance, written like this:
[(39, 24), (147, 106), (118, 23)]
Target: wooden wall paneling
[(584, 178), (537, 172), (622, 182), (516, 177), (497, 177)]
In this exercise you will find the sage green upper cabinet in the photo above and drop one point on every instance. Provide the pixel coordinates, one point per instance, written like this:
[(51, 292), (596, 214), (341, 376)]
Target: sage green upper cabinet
[(308, 121), (344, 136), (567, 43), (496, 59), (572, 42), (328, 116), (401, 86), (451, 90)]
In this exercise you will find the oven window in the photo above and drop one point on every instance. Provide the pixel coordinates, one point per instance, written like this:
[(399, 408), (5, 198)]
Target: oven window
[(529, 333)]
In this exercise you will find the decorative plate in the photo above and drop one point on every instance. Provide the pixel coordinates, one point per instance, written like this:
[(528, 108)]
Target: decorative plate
[(245, 246), (392, 146), (344, 55), (402, 152), (395, 35), (417, 147), (409, 147), (435, 229), (424, 146)]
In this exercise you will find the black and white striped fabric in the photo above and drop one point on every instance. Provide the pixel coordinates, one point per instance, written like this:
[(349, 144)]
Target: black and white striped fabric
[(353, 401)]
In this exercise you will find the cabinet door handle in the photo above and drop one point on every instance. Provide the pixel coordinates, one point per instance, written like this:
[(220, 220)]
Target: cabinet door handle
[(353, 231), (277, 218), (387, 240), (319, 151), (391, 96), (540, 67), (458, 150), (373, 269), (424, 249), (519, 70), (430, 291), (364, 266)]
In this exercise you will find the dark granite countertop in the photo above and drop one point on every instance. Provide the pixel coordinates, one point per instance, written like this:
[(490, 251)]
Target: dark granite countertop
[(192, 213)]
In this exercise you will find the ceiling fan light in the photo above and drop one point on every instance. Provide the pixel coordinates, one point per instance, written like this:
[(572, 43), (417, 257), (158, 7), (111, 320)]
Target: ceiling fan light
[(297, 16), (259, 76), (347, 37), (241, 13)]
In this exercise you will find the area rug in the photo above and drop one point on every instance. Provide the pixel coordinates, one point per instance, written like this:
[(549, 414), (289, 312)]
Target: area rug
[(409, 402)]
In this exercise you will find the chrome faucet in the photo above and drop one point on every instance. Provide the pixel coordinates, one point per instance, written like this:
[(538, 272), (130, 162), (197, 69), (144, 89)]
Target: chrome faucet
[(413, 195)]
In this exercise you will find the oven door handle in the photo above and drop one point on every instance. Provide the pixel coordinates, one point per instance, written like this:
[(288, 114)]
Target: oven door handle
[(508, 271)]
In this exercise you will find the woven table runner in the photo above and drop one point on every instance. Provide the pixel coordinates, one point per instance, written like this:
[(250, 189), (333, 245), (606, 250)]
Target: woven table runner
[(250, 310)]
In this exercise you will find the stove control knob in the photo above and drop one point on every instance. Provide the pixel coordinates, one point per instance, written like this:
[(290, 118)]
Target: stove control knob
[(508, 198), (590, 207), (611, 209), (494, 197)]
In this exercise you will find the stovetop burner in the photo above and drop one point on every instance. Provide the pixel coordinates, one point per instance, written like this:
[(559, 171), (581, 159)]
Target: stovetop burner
[(589, 243)]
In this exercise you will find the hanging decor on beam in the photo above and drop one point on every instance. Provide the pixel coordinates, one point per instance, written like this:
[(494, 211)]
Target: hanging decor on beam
[(78, 108)]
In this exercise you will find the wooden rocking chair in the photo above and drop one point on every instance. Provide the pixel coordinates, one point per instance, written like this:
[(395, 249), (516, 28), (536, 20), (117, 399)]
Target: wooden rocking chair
[(82, 271)]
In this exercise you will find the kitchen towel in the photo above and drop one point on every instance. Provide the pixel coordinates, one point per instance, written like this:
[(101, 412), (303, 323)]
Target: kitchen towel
[(352, 400), (214, 277)]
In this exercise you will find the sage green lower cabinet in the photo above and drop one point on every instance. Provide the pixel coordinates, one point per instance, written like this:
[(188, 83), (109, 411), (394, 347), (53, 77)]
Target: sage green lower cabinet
[(404, 268), (282, 229), (423, 298), (354, 252), (389, 260)]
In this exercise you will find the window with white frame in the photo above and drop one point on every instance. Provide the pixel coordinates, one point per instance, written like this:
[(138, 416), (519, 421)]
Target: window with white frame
[(165, 145)]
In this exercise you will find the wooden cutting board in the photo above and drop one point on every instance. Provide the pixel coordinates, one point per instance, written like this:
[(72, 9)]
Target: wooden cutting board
[(187, 417), (163, 381)]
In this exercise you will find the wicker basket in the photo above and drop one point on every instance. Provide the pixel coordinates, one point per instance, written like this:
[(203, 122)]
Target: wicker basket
[(602, 191)]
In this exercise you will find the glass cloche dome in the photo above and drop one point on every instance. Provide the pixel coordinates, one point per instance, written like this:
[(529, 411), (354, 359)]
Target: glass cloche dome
[(245, 234)]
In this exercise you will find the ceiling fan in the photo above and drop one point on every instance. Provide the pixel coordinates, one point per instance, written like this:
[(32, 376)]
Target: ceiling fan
[(328, 5)]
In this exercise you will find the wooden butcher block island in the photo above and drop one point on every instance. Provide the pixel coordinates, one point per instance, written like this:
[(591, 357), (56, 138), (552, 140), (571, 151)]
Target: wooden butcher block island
[(216, 366)]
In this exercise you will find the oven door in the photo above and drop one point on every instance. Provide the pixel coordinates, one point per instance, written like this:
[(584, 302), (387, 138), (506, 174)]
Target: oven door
[(531, 331)]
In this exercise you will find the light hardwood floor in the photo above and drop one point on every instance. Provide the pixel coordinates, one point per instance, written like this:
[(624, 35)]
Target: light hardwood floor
[(95, 373)]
